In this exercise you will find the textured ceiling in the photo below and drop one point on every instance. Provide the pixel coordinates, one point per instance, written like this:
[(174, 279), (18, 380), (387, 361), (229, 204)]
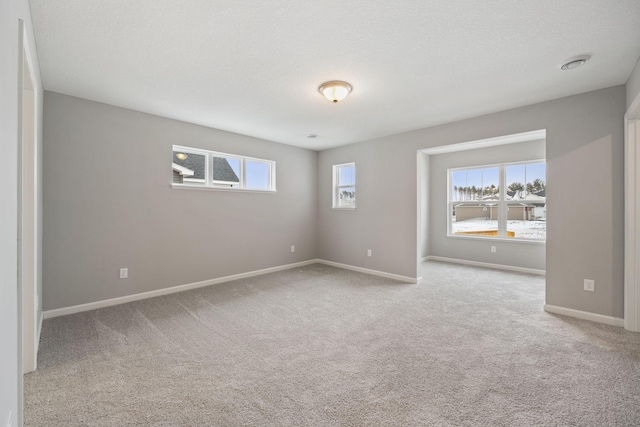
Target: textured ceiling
[(253, 67)]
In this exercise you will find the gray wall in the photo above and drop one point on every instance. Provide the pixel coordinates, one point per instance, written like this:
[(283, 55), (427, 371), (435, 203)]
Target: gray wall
[(585, 233), (385, 216), (527, 255), (633, 84), (108, 204), (10, 371)]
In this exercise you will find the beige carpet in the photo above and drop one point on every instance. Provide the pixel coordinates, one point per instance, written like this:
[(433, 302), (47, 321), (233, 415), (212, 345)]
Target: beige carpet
[(329, 347)]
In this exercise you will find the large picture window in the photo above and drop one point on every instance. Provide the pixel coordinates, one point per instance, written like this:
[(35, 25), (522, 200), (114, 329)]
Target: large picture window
[(344, 186), (193, 167), (504, 201)]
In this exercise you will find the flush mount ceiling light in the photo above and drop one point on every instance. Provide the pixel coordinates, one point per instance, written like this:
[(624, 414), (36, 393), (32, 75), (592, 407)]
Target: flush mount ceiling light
[(335, 90), (181, 156), (575, 62)]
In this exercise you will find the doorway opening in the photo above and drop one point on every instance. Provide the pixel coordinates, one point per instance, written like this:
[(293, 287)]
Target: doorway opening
[(631, 223)]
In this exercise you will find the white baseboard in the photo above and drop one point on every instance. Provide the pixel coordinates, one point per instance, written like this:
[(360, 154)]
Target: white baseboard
[(166, 291), (369, 271), (585, 315), (487, 265), (174, 289)]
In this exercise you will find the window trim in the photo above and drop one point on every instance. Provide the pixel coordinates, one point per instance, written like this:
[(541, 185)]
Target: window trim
[(501, 203), (210, 184), (336, 185), (228, 184), (271, 182), (193, 181)]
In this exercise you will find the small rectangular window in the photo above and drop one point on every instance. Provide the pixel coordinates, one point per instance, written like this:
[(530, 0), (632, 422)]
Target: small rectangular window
[(344, 186), (226, 171), (210, 169), (257, 175), (189, 167)]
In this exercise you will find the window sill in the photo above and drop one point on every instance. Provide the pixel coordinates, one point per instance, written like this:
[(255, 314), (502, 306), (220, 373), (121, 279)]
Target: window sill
[(343, 209), (499, 239), (234, 190)]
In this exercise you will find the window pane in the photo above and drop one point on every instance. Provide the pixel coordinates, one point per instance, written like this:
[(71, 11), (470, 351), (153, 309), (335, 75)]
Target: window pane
[(226, 171), (474, 183), (257, 175), (536, 186), (515, 182), (475, 219), (188, 167), (458, 183), (491, 184), (346, 197), (347, 175), (527, 221)]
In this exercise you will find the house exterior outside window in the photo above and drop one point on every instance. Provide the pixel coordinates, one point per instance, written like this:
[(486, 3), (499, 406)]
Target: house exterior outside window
[(197, 168), (501, 201)]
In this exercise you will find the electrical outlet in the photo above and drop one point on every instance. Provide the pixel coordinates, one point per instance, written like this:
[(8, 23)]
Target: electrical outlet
[(589, 285), (293, 248), (124, 273), (493, 249), (368, 252)]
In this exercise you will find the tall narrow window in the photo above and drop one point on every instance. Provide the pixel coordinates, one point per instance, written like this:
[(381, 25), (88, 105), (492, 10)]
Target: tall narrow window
[(475, 194), (507, 200), (344, 186)]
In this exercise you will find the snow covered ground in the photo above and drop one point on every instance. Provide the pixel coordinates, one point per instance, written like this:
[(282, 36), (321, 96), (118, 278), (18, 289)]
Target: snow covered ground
[(523, 229)]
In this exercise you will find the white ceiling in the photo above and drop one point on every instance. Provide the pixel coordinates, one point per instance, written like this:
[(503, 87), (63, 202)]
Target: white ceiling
[(253, 67)]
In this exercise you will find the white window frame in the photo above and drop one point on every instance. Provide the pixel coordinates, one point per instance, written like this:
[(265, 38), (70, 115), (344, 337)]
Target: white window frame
[(228, 184), (337, 187), (272, 172), (210, 184), (502, 203), (193, 181)]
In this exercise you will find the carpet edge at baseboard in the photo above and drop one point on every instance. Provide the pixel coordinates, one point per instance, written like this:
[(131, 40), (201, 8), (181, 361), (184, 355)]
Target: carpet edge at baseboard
[(167, 291), (48, 314)]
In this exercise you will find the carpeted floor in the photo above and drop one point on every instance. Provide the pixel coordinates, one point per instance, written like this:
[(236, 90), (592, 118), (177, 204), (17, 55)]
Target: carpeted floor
[(323, 346)]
